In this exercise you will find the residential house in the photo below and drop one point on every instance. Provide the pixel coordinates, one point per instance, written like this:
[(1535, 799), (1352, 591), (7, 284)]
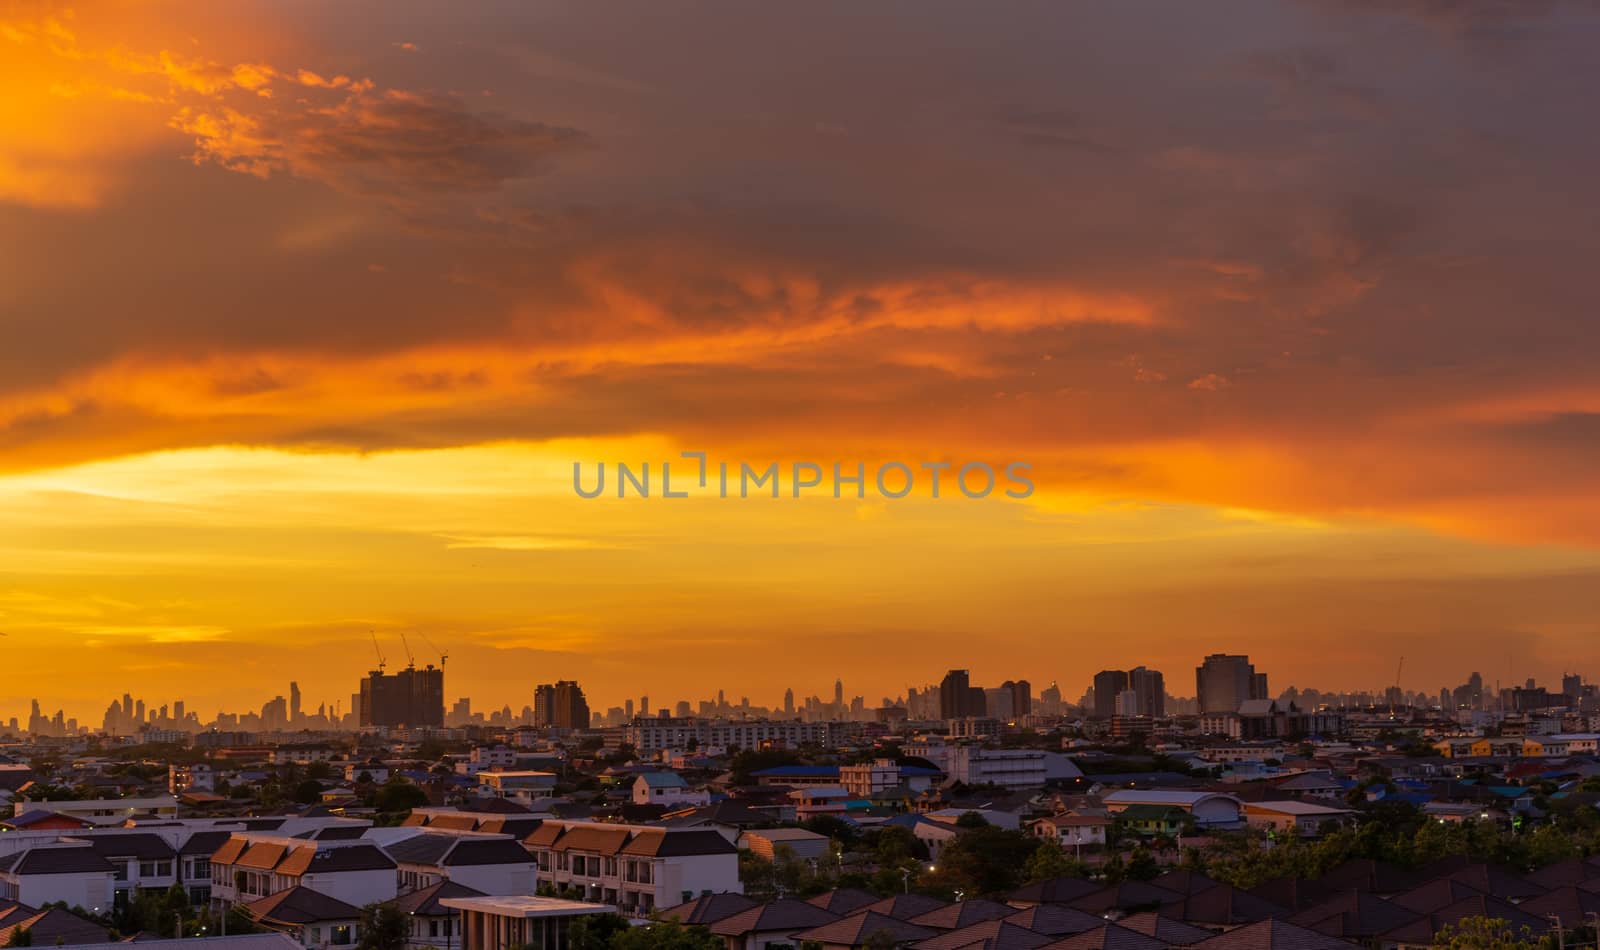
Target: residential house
[(635, 867), (667, 788)]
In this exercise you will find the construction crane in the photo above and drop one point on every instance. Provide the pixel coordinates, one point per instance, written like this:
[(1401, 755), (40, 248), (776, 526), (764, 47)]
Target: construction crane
[(1395, 696), (378, 650), (411, 661), (443, 656)]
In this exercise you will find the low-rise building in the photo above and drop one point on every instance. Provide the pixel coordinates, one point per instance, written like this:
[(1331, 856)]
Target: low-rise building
[(667, 788), (635, 867)]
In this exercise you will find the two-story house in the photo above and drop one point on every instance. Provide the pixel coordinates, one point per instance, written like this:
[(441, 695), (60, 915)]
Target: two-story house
[(635, 867), (488, 864), (250, 866)]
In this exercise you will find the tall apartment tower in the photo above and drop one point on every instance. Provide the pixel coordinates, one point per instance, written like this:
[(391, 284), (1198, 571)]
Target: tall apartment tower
[(1224, 681), (560, 705), (1151, 688), (1108, 685)]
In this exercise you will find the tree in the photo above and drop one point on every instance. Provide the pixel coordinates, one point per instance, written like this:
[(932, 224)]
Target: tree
[(1488, 933), (666, 935), (1050, 861), (383, 927), (397, 795), (595, 931), (986, 860), (21, 937), (308, 792), (1142, 865)]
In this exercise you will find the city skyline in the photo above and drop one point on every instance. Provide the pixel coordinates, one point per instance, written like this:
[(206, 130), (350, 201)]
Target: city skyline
[(130, 714), (310, 310)]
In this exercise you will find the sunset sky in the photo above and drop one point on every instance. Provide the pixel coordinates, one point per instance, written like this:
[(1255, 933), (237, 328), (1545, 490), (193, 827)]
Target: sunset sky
[(309, 307)]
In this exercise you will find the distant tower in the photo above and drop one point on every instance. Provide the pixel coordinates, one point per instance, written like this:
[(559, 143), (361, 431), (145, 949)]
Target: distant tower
[(838, 693), (294, 702), (788, 702)]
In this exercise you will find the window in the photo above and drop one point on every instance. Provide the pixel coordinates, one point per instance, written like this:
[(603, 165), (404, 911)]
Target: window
[(155, 868)]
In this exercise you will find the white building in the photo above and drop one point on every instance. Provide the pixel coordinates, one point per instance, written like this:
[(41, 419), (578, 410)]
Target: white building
[(1072, 831), (651, 735), (1008, 768), (1209, 809), (486, 863), (635, 867), (666, 788), (250, 866), (74, 874), (1302, 818)]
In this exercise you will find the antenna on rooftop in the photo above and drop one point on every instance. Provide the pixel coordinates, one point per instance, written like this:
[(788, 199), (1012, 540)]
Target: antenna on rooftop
[(377, 649)]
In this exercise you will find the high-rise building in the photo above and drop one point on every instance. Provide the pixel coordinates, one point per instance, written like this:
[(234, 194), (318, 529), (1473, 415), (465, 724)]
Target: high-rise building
[(1021, 697), (1224, 681), (409, 698), (1572, 686), (294, 702), (1152, 689), (1108, 685), (560, 705), (958, 698), (788, 702)]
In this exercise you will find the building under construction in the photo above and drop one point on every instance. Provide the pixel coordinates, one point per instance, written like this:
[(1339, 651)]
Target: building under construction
[(409, 698)]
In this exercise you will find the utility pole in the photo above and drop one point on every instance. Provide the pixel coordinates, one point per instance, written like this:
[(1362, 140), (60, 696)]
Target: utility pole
[(1561, 932)]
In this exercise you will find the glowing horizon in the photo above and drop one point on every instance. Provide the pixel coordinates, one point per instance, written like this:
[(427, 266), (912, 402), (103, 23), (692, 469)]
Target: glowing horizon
[(310, 310)]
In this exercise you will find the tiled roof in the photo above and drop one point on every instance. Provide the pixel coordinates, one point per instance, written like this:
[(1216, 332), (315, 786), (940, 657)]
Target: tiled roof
[(425, 848), (1057, 890), (475, 851), (905, 906), (145, 847), (985, 935), (1108, 937), (708, 908), (71, 859), (52, 926), (780, 916), (1271, 935), (1172, 932), (325, 859), (964, 914), (854, 931), (843, 900), (301, 905), (425, 902), (593, 839), (1055, 920), (1126, 896), (204, 842), (663, 843), (1354, 915), (263, 855)]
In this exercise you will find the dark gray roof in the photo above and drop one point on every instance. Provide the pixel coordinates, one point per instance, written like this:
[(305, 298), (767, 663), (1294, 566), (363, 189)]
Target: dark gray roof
[(780, 915), (145, 847), (204, 842), (301, 905), (479, 851), (425, 902), (71, 859), (425, 848), (708, 908)]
